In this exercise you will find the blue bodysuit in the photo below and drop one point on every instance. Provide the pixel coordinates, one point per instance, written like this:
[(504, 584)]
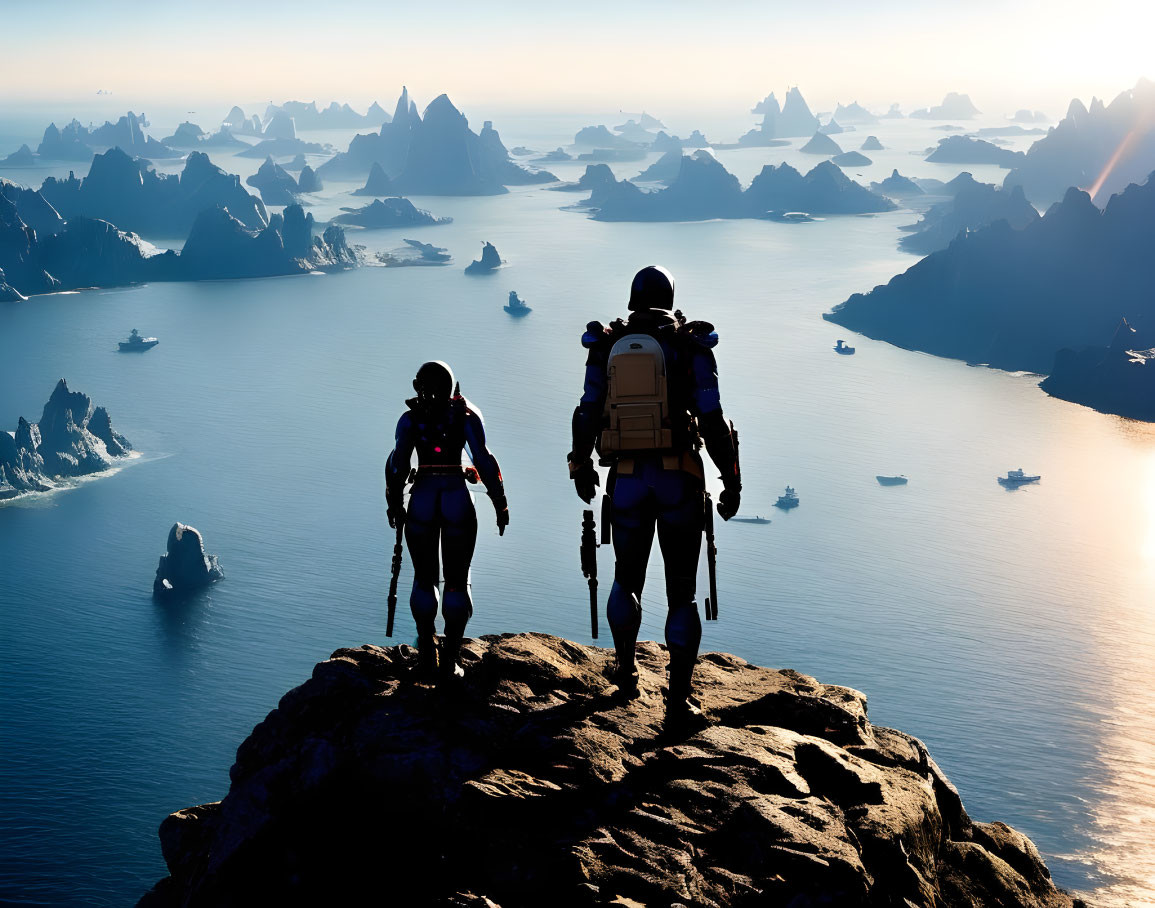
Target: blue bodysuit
[(440, 522)]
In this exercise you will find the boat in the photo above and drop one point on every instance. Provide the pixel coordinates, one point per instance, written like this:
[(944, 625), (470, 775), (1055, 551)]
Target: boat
[(1017, 478), (841, 347), (137, 344), (757, 518), (891, 480), (787, 500), (791, 217), (517, 307)]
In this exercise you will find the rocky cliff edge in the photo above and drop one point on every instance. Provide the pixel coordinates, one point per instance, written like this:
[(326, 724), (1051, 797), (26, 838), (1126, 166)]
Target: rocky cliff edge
[(533, 784)]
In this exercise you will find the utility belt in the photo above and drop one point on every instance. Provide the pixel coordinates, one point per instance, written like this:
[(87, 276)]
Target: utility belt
[(685, 461), (470, 474)]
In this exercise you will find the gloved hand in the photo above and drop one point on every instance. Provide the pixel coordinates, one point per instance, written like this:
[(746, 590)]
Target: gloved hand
[(501, 508), (395, 510), (585, 479), (728, 502)]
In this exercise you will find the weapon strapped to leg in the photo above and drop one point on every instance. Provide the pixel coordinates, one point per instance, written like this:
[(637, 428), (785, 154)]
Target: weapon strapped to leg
[(397, 554), (711, 561), (589, 553)]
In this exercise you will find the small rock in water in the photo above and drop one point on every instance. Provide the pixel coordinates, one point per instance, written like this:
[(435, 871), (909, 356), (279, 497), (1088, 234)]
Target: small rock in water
[(185, 567)]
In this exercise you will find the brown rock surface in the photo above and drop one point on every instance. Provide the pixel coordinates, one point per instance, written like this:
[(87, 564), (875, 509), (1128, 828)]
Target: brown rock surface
[(534, 784)]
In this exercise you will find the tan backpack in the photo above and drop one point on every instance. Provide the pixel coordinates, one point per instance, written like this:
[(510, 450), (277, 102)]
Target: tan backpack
[(637, 400)]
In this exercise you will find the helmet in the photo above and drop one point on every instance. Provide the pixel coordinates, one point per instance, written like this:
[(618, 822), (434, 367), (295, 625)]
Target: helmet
[(434, 382), (653, 288)]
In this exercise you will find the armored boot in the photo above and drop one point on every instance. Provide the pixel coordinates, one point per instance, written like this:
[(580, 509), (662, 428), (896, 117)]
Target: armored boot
[(426, 668), (448, 669), (682, 711), (625, 617)]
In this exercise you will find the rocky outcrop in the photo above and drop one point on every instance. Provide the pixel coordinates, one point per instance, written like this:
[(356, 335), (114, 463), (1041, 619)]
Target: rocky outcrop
[(896, 186), (70, 440), (1117, 379), (954, 106), (1105, 147), (237, 122), (33, 209), (854, 113), (974, 205), (220, 247), (490, 261), (820, 143), (792, 120), (871, 144), (704, 189), (394, 212), (187, 135), (1013, 298), (22, 157), (335, 116), (184, 567), (663, 170), (965, 150), (377, 184), (76, 142), (275, 184), (129, 193), (308, 181), (851, 159), (434, 154), (536, 783)]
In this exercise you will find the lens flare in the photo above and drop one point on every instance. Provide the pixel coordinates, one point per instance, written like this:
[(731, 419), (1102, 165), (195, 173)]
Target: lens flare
[(1120, 153)]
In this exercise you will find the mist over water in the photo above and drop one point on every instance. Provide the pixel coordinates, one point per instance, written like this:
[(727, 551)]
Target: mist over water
[(1010, 630)]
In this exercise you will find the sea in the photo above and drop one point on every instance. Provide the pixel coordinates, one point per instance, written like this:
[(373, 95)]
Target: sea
[(1012, 630)]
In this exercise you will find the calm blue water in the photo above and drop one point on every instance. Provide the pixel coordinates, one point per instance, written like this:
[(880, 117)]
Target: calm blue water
[(1012, 631)]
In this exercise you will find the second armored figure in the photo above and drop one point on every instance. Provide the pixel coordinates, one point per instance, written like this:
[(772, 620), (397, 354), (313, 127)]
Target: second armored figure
[(651, 401), (440, 523)]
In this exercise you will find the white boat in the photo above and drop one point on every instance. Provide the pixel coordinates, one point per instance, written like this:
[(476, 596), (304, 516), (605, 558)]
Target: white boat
[(787, 500), (1017, 478)]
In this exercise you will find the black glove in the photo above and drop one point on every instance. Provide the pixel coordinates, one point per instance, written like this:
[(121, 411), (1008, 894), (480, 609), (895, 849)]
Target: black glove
[(585, 479), (501, 507), (395, 509), (728, 502)]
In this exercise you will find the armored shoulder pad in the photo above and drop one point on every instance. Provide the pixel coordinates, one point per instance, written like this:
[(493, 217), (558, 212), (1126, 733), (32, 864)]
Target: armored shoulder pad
[(703, 333), (594, 334)]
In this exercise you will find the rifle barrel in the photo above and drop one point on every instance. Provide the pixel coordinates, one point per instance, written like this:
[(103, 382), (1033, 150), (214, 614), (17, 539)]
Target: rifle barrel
[(398, 554)]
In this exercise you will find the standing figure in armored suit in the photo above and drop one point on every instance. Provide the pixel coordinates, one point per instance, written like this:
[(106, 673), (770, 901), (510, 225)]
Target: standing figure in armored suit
[(441, 523), (651, 400)]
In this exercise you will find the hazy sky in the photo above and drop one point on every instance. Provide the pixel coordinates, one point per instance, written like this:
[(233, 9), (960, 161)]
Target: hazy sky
[(589, 55)]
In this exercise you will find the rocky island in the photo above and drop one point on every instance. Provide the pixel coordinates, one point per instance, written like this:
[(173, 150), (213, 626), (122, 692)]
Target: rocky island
[(954, 106), (965, 150), (129, 193), (1014, 298), (85, 252), (184, 567), (792, 120), (704, 189), (537, 784), (434, 154), (394, 212), (489, 262), (973, 205), (72, 439)]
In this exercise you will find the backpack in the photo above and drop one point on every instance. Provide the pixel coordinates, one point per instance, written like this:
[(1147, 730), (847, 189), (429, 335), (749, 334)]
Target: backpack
[(637, 399)]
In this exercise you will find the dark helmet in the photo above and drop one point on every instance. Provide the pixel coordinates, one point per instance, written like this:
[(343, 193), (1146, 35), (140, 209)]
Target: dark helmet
[(434, 382), (653, 288)]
